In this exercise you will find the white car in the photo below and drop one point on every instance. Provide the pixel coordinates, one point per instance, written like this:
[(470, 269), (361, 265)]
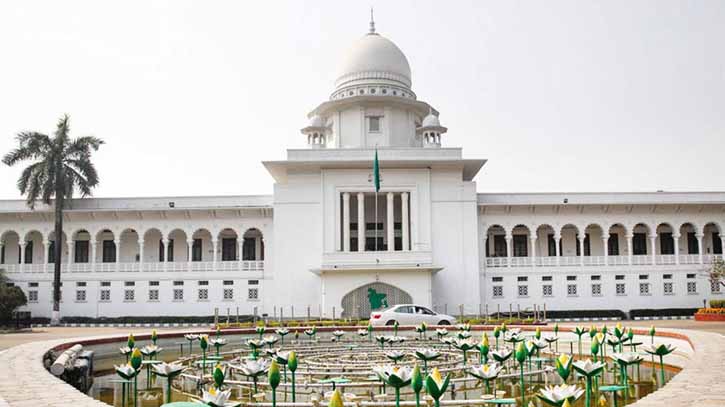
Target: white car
[(409, 314)]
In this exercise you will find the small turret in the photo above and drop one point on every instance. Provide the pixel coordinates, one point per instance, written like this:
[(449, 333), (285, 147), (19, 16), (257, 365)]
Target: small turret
[(316, 132), (430, 131)]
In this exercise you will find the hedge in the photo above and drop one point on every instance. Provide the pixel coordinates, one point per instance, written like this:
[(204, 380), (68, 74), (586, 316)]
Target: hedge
[(665, 312), (717, 303)]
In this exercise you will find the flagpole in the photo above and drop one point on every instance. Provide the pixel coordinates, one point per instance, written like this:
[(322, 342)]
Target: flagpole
[(376, 219)]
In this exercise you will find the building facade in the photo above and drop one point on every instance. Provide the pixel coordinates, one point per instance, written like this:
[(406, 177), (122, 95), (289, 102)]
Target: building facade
[(327, 243)]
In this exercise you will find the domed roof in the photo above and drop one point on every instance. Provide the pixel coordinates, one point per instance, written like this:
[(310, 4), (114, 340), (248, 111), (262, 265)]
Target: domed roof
[(316, 121), (431, 121), (374, 59)]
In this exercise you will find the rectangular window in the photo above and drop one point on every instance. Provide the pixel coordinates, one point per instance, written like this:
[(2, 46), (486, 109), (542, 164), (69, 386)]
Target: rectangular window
[(228, 294), (691, 287), (370, 244), (668, 289), (253, 282), (667, 276), (570, 278), (644, 276), (619, 289), (203, 294), (129, 283), (178, 283), (619, 277), (33, 285), (551, 245), (667, 243), (109, 251), (51, 252), (196, 250), (716, 243), (715, 287), (80, 283), (29, 252), (81, 252), (497, 279), (521, 248), (639, 244), (178, 294), (522, 279), (249, 250), (587, 245), (80, 295), (546, 278), (523, 291), (499, 246), (644, 289), (33, 296), (203, 282), (129, 295), (228, 282), (154, 294), (253, 293), (692, 243), (153, 283), (497, 291), (547, 290), (596, 278), (571, 290), (692, 275), (596, 290), (613, 244), (105, 283), (374, 124), (229, 249)]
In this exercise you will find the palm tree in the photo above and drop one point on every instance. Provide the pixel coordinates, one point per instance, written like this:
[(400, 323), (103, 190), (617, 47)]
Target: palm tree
[(59, 166)]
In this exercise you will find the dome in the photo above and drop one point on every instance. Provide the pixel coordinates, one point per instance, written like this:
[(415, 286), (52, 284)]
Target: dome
[(374, 59), (431, 121), (316, 121)]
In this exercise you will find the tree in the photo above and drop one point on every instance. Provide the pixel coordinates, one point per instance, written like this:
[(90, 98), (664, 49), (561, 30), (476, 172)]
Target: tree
[(716, 272), (59, 166), (11, 297)]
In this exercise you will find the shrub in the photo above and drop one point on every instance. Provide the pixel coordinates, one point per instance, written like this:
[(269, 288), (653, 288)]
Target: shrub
[(11, 297), (716, 311), (665, 312), (717, 303)]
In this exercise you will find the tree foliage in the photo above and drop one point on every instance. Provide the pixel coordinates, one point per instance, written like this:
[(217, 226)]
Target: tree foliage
[(11, 297)]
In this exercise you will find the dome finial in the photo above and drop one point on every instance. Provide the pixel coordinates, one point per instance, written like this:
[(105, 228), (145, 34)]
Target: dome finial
[(372, 22)]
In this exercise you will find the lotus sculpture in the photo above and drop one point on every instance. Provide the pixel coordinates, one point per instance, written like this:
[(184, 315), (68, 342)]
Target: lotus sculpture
[(169, 371), (558, 395), (589, 370), (660, 350), (396, 377), (485, 372), (253, 369), (436, 385), (426, 355)]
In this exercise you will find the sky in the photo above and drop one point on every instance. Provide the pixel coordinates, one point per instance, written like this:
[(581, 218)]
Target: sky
[(191, 96)]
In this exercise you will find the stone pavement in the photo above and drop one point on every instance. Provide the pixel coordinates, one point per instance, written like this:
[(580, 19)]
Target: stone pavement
[(25, 382)]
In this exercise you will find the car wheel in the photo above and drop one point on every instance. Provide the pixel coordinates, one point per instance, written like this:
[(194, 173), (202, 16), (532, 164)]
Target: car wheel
[(390, 323), (444, 322)]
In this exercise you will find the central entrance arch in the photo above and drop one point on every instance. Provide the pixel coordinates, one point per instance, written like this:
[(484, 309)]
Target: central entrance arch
[(360, 302)]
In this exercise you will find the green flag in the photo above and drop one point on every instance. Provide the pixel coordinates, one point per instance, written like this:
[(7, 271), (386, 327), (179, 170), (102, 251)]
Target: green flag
[(376, 172)]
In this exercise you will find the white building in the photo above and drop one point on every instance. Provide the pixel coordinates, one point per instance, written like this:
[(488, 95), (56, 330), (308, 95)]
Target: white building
[(317, 242)]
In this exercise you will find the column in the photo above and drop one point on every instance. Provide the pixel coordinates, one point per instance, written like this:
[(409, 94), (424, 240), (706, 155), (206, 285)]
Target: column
[(699, 237), (165, 251), (390, 224), (653, 243), (629, 249), (117, 242), (605, 244), (581, 248), (214, 243), (360, 222), (140, 254), (676, 239), (509, 251), (93, 254), (258, 248), (485, 246), (240, 248), (557, 240), (404, 220), (71, 250), (45, 253), (2, 244), (533, 250), (21, 247), (190, 250), (346, 222)]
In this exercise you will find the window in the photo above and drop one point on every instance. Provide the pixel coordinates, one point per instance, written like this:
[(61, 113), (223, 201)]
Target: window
[(109, 251), (619, 289), (587, 245), (374, 124), (178, 294), (253, 293), (639, 244), (716, 243), (153, 283), (249, 249), (29, 252), (546, 278), (571, 290), (80, 284), (228, 282), (551, 245), (153, 294), (613, 244), (523, 291), (692, 275), (667, 276), (715, 287), (80, 254), (105, 283), (33, 285), (667, 243), (644, 289), (497, 291), (499, 246), (196, 250), (596, 278), (203, 282), (228, 293), (253, 282), (644, 276), (497, 279), (178, 283), (33, 296), (619, 277), (169, 251), (129, 295), (203, 294), (570, 278), (668, 290), (129, 283), (521, 248), (80, 295), (521, 279), (596, 290), (51, 252), (229, 249), (692, 243), (692, 287), (547, 290), (105, 295)]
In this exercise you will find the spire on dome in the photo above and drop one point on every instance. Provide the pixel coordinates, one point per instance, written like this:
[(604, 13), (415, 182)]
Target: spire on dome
[(372, 22)]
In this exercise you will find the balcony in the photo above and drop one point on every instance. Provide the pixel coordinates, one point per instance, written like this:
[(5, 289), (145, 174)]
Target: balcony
[(127, 267), (595, 261)]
